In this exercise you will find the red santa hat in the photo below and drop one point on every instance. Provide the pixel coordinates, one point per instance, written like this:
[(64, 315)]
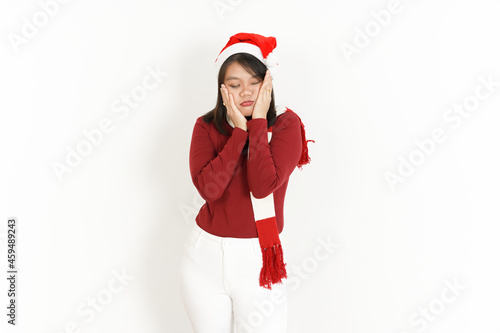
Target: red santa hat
[(259, 46)]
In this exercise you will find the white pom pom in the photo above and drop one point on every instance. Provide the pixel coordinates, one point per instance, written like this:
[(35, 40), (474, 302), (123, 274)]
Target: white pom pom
[(271, 60)]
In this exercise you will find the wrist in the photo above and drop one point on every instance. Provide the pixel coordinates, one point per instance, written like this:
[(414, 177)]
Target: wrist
[(258, 117)]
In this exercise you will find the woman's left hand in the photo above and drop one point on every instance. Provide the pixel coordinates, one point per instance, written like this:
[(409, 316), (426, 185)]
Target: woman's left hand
[(264, 98)]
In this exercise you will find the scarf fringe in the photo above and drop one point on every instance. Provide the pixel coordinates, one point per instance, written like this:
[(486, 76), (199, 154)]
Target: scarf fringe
[(273, 268), (304, 158)]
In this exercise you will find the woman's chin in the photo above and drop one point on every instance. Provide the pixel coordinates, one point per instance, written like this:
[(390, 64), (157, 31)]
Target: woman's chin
[(247, 113)]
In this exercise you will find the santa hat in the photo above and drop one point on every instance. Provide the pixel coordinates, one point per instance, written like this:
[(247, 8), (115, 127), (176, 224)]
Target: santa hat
[(259, 46), (273, 266)]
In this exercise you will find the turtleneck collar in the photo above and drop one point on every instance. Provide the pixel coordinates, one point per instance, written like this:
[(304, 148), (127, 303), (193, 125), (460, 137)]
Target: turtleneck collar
[(279, 110)]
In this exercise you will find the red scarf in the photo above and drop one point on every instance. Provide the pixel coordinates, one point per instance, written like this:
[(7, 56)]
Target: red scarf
[(273, 267)]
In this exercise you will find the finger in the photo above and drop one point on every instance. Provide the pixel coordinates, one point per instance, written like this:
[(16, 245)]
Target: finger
[(261, 92), (223, 92), (231, 102), (225, 97), (264, 82), (268, 75), (264, 95), (264, 88), (270, 78), (269, 84), (270, 81)]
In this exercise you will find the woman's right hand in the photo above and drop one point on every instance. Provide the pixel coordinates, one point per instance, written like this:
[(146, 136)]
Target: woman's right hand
[(233, 112)]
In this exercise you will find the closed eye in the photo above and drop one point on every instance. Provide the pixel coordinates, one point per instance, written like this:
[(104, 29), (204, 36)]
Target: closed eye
[(239, 85)]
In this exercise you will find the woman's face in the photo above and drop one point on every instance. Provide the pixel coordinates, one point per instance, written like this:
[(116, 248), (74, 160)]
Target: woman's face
[(243, 86)]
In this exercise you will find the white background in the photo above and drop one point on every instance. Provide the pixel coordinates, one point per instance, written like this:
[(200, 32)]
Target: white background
[(130, 203)]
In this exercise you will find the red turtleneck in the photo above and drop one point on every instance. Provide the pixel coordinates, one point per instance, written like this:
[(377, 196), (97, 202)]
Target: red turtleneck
[(222, 174)]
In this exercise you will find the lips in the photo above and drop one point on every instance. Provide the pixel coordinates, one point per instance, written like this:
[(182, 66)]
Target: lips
[(246, 103)]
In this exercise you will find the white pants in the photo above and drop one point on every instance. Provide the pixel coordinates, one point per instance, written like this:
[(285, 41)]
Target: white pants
[(220, 286)]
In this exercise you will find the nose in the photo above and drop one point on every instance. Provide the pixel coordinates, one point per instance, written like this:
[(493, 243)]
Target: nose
[(246, 91)]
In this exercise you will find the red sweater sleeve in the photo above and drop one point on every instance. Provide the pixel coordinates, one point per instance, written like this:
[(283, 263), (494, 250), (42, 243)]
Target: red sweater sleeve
[(212, 171), (270, 164)]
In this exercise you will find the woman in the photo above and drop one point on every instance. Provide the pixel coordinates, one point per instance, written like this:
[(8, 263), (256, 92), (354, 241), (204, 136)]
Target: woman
[(233, 272)]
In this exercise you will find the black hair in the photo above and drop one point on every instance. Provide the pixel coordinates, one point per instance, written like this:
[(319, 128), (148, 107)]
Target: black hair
[(255, 67)]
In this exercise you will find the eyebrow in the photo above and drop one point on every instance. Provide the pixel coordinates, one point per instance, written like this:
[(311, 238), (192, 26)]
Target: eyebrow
[(237, 78)]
